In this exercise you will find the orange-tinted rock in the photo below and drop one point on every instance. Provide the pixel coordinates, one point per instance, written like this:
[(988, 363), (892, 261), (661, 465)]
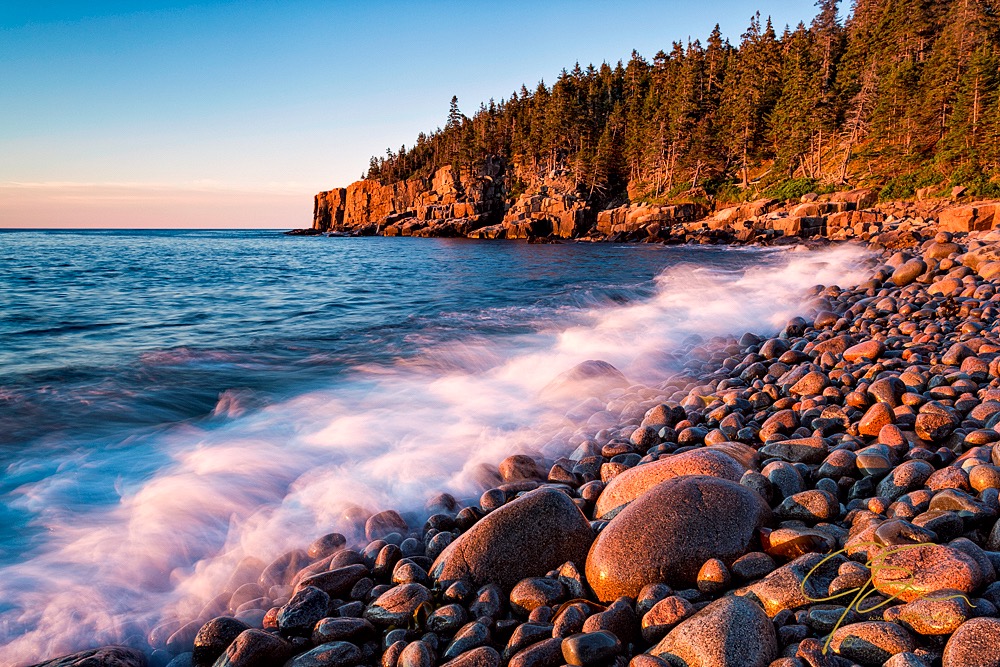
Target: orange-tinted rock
[(666, 534), (974, 644), (868, 350), (632, 483), (909, 572), (731, 632), (527, 537)]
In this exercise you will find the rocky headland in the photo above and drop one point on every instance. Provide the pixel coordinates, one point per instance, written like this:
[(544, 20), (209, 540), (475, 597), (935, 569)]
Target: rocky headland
[(478, 205), (732, 517)]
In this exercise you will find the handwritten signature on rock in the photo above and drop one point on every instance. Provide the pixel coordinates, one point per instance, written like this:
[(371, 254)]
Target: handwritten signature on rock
[(875, 565)]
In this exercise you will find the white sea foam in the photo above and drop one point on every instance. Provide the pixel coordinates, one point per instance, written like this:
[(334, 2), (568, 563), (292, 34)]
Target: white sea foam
[(255, 480)]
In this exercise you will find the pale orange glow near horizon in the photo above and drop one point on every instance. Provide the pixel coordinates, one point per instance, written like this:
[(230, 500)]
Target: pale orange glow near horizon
[(151, 205)]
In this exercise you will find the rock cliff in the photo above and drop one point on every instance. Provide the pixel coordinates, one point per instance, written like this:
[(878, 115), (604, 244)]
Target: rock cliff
[(479, 204)]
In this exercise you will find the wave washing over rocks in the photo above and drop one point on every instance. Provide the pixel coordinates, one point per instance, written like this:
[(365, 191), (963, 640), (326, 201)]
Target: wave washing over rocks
[(688, 519)]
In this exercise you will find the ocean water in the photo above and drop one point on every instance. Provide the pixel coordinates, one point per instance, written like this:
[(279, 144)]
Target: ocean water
[(172, 402)]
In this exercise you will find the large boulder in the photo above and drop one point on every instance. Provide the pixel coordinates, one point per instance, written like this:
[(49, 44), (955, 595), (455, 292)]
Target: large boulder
[(731, 632), (668, 533), (527, 537), (634, 482)]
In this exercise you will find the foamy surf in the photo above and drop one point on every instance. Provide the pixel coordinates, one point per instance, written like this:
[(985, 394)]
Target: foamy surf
[(258, 480)]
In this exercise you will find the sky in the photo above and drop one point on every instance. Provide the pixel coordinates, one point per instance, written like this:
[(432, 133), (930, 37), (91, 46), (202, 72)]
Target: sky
[(234, 114)]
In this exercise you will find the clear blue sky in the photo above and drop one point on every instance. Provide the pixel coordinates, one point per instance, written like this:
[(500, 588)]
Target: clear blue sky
[(235, 113)]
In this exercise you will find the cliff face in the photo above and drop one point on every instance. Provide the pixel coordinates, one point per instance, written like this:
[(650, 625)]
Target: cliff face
[(474, 197), (477, 204)]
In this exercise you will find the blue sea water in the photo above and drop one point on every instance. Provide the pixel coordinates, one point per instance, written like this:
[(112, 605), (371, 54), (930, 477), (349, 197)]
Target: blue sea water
[(173, 401)]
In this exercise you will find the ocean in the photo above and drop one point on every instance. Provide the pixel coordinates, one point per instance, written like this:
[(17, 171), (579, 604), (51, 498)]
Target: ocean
[(172, 402)]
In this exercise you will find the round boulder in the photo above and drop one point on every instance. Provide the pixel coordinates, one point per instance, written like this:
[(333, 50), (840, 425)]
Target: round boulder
[(527, 537), (668, 533), (731, 632)]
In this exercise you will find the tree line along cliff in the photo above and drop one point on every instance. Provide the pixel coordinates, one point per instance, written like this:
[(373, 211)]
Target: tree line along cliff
[(897, 96)]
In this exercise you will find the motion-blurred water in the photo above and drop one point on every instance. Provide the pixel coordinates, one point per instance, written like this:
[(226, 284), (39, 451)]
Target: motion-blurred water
[(171, 402)]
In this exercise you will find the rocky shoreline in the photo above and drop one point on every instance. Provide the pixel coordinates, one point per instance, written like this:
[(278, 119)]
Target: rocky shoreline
[(731, 518)]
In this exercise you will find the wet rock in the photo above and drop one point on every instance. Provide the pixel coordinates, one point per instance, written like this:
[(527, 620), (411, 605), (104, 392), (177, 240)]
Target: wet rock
[(470, 636), (303, 611), (520, 467), (488, 602), (106, 656), (905, 478), (398, 605), (281, 570), (213, 638), (354, 630), (908, 272), (796, 450), (869, 350), (570, 619), (649, 595), (447, 619), (907, 659), (632, 483), (670, 531), (382, 524), (527, 537), (484, 656), (546, 653), (619, 619), (333, 654), (753, 565), (935, 426), (525, 635), (974, 644), (590, 648), (782, 422), (940, 614), (871, 643), (811, 384), (327, 545), (664, 615), (811, 506), (590, 378), (535, 592), (713, 577), (731, 632), (909, 572), (336, 583), (878, 416), (255, 648), (796, 584), (416, 654)]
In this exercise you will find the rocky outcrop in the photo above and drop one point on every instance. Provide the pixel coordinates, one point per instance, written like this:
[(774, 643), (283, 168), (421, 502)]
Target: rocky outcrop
[(414, 204), (476, 204)]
